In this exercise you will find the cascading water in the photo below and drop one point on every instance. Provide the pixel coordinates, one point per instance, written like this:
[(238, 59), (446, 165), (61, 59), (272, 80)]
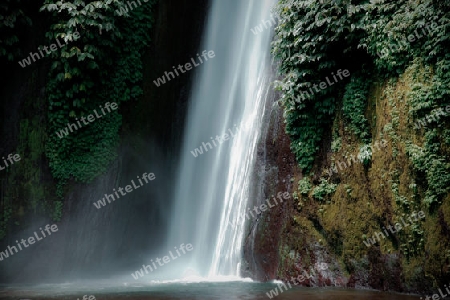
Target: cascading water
[(228, 97)]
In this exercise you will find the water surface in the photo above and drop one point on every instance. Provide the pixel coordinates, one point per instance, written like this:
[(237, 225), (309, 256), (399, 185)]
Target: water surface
[(188, 291)]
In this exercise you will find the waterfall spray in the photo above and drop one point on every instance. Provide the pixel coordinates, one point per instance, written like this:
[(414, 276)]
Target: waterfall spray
[(212, 189)]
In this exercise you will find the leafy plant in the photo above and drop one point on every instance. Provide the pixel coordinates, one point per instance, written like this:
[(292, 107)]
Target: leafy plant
[(375, 39), (336, 144), (103, 65), (57, 213), (355, 104), (12, 20), (304, 185), (323, 189), (312, 40), (365, 154)]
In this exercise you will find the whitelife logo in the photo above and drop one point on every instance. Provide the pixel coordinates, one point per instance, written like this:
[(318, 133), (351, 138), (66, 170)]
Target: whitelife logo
[(27, 61), (263, 207), (411, 38), (124, 10), (363, 154), (220, 140), (31, 241), (85, 297), (16, 158), (432, 117), (128, 189), (160, 81), (274, 292), (72, 127), (266, 23), (322, 85), (166, 259), (371, 241), (436, 296)]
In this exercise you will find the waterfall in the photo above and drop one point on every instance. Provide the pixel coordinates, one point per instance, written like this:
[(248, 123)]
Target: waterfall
[(228, 97)]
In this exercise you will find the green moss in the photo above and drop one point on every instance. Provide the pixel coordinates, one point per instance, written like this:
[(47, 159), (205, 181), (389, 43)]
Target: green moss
[(391, 187), (27, 192)]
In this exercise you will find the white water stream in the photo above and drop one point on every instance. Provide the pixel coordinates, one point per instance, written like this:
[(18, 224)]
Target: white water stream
[(228, 96)]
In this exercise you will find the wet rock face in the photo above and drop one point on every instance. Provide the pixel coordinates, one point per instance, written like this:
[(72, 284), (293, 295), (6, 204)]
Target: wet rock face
[(277, 246), (273, 171), (385, 271), (295, 237), (377, 271)]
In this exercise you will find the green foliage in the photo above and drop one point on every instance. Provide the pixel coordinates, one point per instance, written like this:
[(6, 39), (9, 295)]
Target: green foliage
[(355, 104), (12, 19), (336, 144), (412, 240), (5, 216), (400, 200), (103, 65), (446, 137), (432, 169), (312, 40), (430, 161), (27, 190), (323, 189), (57, 212), (315, 38), (390, 23), (304, 186), (365, 154)]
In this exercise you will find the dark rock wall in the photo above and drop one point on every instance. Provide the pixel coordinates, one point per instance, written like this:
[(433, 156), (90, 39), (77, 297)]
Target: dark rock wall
[(274, 168), (91, 242), (323, 238)]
